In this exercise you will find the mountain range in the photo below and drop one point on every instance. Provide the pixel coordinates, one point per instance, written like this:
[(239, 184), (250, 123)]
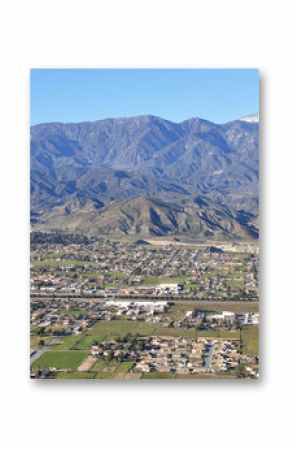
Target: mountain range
[(146, 176)]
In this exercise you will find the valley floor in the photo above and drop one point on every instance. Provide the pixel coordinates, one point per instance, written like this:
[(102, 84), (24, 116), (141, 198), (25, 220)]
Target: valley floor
[(115, 310)]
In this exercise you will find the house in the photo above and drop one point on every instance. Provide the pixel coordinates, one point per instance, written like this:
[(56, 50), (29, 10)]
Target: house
[(168, 288)]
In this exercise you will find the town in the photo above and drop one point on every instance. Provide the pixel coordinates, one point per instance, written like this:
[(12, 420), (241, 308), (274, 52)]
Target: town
[(104, 309), (106, 268)]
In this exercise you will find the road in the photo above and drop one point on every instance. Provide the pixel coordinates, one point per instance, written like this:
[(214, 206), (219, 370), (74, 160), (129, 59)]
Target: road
[(37, 354)]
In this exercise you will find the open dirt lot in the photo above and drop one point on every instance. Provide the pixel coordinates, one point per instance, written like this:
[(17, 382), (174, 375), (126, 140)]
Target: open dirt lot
[(87, 364)]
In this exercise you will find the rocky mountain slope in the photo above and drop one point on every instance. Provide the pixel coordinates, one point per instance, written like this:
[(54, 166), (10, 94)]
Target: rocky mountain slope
[(146, 176)]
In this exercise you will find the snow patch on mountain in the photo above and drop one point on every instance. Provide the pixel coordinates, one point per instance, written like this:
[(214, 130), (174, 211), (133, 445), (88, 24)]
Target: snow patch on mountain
[(253, 118)]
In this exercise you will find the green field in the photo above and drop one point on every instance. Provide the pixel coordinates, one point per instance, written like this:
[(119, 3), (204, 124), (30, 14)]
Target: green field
[(87, 342), (60, 360), (103, 366), (250, 340), (121, 328), (191, 286), (194, 333), (124, 367), (166, 280), (158, 375), (216, 306), (77, 342), (100, 370), (119, 275), (105, 375), (235, 283), (175, 332), (68, 342), (98, 366), (75, 375), (107, 330)]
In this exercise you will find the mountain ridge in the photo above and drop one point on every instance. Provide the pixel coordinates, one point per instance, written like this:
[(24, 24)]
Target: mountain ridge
[(113, 160)]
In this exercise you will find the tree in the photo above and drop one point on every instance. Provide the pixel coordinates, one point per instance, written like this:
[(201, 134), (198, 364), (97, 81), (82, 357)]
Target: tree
[(40, 331)]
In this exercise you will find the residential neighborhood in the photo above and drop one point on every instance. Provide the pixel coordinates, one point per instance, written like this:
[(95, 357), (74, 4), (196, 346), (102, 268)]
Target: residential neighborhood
[(106, 268), (114, 310)]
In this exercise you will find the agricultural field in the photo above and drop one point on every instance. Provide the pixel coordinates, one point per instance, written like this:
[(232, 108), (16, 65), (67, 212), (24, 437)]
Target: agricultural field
[(60, 359), (175, 332), (121, 328), (238, 283), (166, 280), (216, 306), (250, 340), (101, 370), (67, 343), (74, 375), (76, 342), (158, 375)]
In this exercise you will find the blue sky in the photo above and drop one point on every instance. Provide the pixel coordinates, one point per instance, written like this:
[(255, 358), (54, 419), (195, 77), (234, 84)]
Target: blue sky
[(75, 95)]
